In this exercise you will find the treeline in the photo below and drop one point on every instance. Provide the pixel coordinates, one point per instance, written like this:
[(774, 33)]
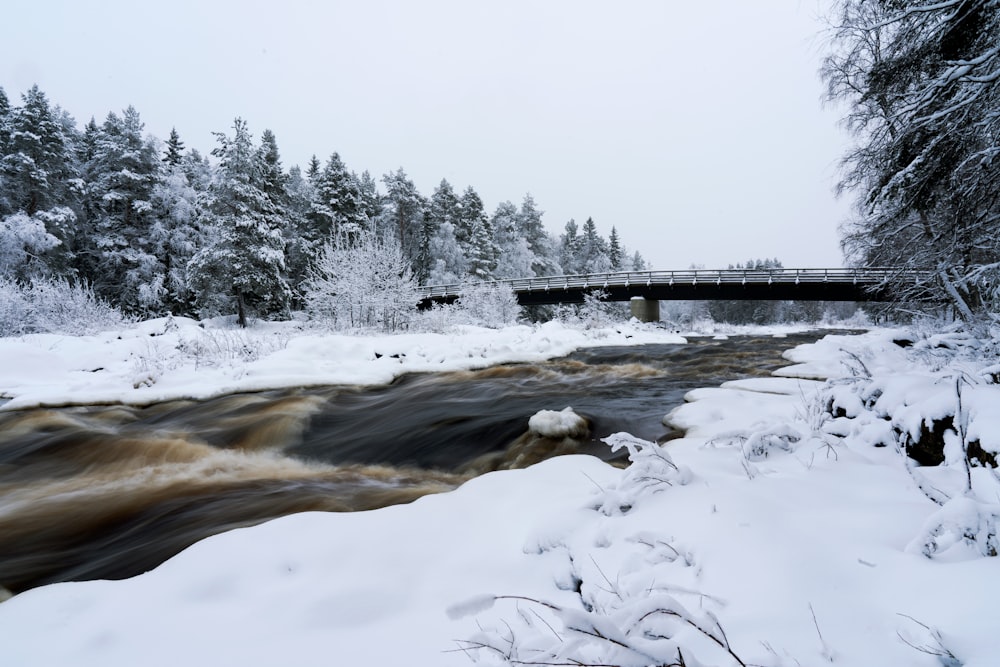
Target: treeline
[(155, 227)]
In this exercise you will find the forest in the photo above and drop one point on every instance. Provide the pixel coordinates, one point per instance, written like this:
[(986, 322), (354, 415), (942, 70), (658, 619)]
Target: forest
[(153, 227)]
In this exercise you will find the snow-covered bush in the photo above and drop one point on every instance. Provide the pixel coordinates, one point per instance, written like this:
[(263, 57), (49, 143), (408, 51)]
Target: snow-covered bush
[(485, 304), (651, 470), (23, 239), (489, 304), (53, 306), (361, 281)]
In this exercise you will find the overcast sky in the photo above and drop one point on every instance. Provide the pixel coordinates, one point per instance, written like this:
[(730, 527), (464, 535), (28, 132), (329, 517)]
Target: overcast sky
[(696, 128)]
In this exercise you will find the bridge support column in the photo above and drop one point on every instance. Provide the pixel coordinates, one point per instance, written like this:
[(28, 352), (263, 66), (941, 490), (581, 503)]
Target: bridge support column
[(644, 310)]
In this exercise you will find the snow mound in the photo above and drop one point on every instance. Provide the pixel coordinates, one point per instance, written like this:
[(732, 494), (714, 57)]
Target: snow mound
[(558, 424)]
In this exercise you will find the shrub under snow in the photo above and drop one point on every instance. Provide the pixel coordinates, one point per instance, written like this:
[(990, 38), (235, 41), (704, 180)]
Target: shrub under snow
[(50, 305)]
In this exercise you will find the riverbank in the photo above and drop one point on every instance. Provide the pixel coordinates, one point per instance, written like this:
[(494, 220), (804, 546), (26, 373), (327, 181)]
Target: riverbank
[(179, 358), (785, 528)]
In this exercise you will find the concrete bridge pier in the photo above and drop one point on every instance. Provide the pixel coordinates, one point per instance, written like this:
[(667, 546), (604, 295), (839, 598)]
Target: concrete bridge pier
[(645, 310)]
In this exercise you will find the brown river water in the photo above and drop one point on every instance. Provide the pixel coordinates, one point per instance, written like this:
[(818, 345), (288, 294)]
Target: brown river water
[(110, 492)]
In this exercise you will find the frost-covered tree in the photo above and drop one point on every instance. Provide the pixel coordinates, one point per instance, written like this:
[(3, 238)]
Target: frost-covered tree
[(569, 248), (471, 214), (244, 266), (176, 235), (593, 253), (338, 206), (361, 280), (482, 252), (543, 247), (447, 262), (121, 173), (370, 206), (615, 251), (175, 149), (923, 83), (299, 249), (403, 217), (515, 258), (38, 172), (23, 242)]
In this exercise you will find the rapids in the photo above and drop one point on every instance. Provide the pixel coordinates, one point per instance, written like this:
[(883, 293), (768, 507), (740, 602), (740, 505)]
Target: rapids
[(112, 491)]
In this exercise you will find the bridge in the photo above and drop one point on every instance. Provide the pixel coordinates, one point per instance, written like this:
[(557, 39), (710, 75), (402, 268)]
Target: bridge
[(867, 284)]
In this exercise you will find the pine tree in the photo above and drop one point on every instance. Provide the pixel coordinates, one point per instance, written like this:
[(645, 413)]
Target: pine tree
[(244, 266), (175, 149)]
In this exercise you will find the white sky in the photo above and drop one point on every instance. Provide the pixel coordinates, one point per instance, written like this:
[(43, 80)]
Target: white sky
[(696, 128)]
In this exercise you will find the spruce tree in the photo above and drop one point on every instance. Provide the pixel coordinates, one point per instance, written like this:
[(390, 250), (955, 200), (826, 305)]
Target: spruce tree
[(545, 253), (244, 266), (615, 251), (121, 173), (403, 217), (515, 258), (175, 149), (338, 205), (39, 175)]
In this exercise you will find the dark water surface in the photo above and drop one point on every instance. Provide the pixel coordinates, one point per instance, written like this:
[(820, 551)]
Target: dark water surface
[(110, 492)]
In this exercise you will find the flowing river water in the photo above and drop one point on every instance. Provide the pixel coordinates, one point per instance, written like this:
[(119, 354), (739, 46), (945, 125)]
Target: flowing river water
[(110, 492)]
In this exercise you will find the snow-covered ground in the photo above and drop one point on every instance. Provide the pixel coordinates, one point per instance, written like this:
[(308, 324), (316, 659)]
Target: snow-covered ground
[(172, 357), (786, 528)]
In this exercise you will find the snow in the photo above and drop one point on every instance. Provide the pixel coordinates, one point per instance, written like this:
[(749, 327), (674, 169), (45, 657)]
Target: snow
[(557, 423), (771, 531), (177, 357)]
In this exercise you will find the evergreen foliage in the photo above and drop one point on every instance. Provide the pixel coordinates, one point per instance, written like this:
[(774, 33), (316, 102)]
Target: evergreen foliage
[(153, 230), (244, 266), (175, 149)]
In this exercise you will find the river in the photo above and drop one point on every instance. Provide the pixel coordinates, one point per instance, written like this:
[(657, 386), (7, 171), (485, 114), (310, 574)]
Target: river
[(110, 492)]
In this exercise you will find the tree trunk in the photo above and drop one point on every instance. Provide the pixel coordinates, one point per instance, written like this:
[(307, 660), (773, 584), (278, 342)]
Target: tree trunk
[(241, 309)]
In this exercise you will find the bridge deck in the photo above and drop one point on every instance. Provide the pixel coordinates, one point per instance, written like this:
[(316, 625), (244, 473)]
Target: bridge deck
[(725, 284)]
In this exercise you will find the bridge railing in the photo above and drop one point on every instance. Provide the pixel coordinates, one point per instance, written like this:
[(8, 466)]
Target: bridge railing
[(597, 281)]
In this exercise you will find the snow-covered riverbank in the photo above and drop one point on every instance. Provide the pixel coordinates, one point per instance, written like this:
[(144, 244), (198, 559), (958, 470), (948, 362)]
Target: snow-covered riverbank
[(786, 528), (170, 358)]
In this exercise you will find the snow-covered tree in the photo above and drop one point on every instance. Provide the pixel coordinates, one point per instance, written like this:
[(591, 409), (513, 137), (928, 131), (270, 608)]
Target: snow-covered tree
[(361, 280), (403, 216), (121, 173), (545, 261), (446, 260), (338, 206), (569, 249), (515, 259), (176, 235), (175, 149), (244, 266), (23, 241), (38, 172), (923, 83), (299, 249), (482, 252), (615, 251), (593, 256)]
